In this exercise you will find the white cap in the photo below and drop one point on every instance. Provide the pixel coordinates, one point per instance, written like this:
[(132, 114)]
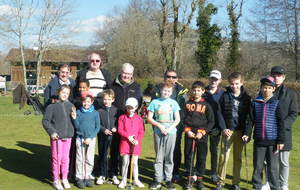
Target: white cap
[(215, 74), (131, 102)]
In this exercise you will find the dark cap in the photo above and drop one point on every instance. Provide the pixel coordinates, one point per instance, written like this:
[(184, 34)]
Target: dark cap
[(268, 80), (277, 70)]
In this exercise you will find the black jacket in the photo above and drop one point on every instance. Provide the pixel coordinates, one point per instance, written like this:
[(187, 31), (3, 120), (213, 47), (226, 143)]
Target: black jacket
[(288, 104), (108, 117), (125, 91), (226, 103), (198, 115)]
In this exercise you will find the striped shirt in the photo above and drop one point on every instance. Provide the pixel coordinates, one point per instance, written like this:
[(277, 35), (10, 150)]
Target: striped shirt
[(97, 82)]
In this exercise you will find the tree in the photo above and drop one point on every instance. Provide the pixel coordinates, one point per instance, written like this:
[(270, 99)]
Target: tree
[(234, 12), (209, 40), (51, 28), (15, 25)]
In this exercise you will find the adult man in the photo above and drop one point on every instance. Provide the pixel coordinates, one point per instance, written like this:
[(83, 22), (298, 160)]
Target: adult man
[(178, 94), (288, 104), (63, 77), (212, 96), (98, 78), (124, 87)]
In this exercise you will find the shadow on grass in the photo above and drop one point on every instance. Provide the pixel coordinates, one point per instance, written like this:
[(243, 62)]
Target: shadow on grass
[(33, 164)]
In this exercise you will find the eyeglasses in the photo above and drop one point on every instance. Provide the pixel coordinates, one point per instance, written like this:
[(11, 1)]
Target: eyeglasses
[(95, 60), (173, 77)]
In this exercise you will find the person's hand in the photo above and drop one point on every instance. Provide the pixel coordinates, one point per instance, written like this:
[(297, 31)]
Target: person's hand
[(87, 141), (191, 134), (107, 132), (245, 138), (136, 142), (227, 132), (54, 136), (131, 139), (114, 130), (73, 113), (163, 130), (199, 135), (278, 148)]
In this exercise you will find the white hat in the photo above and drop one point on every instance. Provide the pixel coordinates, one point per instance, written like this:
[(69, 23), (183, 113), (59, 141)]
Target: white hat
[(131, 102), (215, 74)]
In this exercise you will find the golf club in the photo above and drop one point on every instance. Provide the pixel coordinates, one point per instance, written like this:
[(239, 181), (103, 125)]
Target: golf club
[(246, 163), (130, 186), (85, 155), (190, 177)]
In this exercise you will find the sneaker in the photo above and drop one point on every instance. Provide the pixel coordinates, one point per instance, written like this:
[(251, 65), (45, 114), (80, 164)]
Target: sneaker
[(155, 185), (236, 187), (219, 187), (66, 184), (138, 183), (170, 185), (89, 182), (80, 184), (100, 180), (57, 185), (122, 185), (175, 178), (115, 180), (214, 178), (284, 187), (266, 187)]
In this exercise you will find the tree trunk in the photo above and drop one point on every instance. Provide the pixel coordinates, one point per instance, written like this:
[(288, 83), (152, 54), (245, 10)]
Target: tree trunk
[(23, 60), (296, 45)]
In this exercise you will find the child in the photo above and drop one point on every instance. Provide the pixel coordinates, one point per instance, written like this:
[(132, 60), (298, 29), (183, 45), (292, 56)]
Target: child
[(268, 134), (131, 129), (87, 125), (235, 107), (83, 89), (198, 120), (164, 116), (108, 114), (58, 124)]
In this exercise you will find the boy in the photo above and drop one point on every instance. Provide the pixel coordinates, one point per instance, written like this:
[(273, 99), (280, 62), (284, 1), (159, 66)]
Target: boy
[(108, 114), (164, 116), (268, 134), (235, 107), (198, 121), (212, 95)]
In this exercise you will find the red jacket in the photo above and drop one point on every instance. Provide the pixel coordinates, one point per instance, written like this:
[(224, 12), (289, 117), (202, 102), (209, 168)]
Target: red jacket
[(128, 126)]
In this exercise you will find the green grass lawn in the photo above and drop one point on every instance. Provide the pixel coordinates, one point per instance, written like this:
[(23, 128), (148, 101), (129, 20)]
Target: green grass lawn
[(25, 153)]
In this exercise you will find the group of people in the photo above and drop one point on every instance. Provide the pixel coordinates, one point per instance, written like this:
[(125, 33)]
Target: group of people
[(95, 106)]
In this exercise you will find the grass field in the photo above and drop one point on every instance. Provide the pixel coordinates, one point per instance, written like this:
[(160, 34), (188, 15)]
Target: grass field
[(25, 154)]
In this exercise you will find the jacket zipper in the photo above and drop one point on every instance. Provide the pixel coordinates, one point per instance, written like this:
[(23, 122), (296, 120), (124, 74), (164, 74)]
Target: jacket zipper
[(264, 121)]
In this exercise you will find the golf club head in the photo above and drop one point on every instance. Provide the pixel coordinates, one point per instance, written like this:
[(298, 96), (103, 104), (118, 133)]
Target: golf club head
[(130, 186)]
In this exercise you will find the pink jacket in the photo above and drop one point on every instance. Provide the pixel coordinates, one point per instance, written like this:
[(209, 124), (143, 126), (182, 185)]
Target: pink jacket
[(128, 126)]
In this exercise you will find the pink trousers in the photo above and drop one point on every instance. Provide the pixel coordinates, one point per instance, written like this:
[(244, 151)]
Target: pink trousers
[(60, 150)]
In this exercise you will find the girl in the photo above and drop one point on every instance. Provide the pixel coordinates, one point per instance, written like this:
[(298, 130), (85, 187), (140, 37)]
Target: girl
[(57, 122), (87, 125), (131, 129)]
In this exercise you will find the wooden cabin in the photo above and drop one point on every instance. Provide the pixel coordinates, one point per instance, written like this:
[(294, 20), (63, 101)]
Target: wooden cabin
[(77, 59)]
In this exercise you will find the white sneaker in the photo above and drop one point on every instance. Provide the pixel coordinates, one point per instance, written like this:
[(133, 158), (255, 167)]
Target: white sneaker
[(57, 185), (284, 187), (115, 180), (66, 184), (100, 180), (266, 187), (138, 183), (122, 185)]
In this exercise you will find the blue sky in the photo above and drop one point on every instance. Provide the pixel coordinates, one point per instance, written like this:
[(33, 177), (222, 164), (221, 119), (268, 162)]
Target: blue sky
[(89, 14)]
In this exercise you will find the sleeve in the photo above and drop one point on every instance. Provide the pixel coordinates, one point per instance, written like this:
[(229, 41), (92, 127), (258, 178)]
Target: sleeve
[(76, 121), (176, 107), (280, 125), (250, 120), (151, 106), (47, 121), (108, 79), (141, 131), (139, 96), (102, 128), (97, 123), (222, 122), (292, 112), (121, 127), (210, 118), (47, 96)]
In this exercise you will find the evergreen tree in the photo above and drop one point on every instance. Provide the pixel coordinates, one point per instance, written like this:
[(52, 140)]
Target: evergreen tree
[(209, 41)]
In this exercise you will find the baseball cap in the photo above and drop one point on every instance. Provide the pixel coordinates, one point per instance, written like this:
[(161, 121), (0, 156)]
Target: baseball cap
[(277, 70), (269, 80), (131, 102), (215, 74)]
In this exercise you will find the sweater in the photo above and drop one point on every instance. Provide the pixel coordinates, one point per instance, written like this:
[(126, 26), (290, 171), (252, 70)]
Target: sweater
[(87, 123), (199, 117), (128, 126), (57, 119), (265, 117)]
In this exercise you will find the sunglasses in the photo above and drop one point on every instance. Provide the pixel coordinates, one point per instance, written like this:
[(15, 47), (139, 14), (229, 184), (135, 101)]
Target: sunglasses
[(95, 60), (173, 77)]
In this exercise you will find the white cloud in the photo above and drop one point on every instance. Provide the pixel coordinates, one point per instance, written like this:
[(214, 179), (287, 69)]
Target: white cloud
[(91, 25), (5, 10)]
